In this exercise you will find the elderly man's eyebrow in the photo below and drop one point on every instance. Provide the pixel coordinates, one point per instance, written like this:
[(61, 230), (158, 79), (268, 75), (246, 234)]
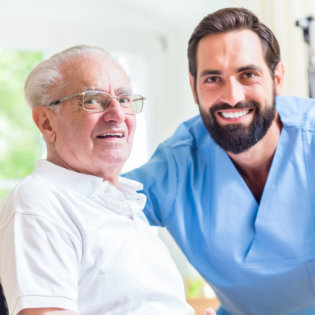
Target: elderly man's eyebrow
[(123, 90), (118, 91), (89, 88)]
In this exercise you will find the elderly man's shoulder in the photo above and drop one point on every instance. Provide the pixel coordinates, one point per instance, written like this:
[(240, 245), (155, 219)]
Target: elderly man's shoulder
[(37, 200), (29, 196)]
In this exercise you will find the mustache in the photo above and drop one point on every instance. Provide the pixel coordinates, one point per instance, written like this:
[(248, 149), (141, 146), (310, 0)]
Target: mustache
[(239, 105)]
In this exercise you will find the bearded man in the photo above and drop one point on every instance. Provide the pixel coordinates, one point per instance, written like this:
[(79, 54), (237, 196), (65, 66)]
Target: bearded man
[(235, 184)]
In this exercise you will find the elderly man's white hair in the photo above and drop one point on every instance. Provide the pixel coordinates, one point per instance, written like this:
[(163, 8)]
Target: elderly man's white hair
[(45, 83)]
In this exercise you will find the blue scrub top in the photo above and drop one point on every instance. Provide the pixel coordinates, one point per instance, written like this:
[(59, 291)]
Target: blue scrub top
[(258, 258)]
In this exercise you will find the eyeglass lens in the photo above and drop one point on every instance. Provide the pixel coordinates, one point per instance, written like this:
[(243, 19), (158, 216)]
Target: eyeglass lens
[(98, 102)]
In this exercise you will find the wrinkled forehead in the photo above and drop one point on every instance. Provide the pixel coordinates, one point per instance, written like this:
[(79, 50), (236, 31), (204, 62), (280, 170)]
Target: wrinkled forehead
[(94, 72)]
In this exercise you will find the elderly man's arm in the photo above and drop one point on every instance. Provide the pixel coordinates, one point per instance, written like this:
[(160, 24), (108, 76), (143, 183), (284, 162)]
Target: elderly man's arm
[(47, 283), (46, 311)]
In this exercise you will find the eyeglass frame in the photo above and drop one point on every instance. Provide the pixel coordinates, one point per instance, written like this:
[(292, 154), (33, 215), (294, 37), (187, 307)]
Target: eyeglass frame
[(142, 98)]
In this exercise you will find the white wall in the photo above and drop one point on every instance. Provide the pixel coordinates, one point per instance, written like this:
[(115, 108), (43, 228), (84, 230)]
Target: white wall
[(281, 16)]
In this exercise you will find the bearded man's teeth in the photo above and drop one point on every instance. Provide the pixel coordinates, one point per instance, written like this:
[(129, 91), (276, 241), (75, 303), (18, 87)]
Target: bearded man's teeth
[(235, 114)]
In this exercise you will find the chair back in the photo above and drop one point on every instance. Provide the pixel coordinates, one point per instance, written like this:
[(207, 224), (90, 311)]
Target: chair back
[(3, 303)]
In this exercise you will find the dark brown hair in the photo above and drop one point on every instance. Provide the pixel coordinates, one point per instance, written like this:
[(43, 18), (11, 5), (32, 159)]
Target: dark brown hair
[(231, 19)]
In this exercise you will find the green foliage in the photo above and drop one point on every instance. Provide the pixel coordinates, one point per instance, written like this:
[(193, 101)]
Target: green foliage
[(194, 288), (3, 193), (20, 141)]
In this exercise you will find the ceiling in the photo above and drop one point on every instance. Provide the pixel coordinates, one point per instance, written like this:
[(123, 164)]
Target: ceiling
[(176, 14)]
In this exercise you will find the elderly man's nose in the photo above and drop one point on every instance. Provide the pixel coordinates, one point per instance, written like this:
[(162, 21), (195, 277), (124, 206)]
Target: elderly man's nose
[(114, 111)]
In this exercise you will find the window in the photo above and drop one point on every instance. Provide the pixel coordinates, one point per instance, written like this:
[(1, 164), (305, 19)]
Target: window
[(135, 67), (20, 141)]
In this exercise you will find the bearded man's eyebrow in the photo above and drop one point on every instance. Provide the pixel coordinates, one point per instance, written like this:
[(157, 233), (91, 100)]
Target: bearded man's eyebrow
[(210, 72)]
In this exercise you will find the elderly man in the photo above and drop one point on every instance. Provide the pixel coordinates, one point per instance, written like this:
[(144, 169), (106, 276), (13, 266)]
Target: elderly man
[(73, 238), (235, 185)]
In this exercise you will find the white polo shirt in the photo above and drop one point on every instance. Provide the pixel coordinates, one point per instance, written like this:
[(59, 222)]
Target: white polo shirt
[(72, 241)]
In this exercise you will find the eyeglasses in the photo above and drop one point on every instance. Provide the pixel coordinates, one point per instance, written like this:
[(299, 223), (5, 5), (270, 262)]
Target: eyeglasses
[(98, 101)]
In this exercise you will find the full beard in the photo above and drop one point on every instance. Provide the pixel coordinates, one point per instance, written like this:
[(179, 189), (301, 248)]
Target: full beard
[(236, 138)]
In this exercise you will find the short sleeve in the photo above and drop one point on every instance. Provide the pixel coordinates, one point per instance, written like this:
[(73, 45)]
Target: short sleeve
[(39, 264)]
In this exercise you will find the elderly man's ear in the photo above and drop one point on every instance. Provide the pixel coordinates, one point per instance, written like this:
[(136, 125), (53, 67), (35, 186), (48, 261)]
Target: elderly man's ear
[(44, 120)]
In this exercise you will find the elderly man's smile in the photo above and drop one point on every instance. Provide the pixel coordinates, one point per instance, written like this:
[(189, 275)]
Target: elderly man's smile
[(111, 135)]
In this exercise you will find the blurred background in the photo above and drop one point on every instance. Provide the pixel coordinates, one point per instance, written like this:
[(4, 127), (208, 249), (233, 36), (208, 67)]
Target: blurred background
[(150, 40)]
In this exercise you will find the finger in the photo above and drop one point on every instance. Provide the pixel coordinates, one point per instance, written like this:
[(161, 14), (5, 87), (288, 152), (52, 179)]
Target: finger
[(209, 311)]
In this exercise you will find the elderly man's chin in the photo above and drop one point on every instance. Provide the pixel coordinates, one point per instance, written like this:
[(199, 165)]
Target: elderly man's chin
[(114, 157), (112, 150), (98, 162), (117, 159)]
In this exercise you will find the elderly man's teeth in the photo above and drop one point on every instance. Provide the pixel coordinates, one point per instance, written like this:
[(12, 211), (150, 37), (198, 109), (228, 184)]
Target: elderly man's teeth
[(116, 134), (235, 114)]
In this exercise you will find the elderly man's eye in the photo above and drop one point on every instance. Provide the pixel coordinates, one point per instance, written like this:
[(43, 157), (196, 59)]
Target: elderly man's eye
[(92, 102), (125, 99)]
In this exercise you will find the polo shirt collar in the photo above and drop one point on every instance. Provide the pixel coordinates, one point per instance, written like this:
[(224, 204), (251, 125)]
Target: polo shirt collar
[(83, 183)]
